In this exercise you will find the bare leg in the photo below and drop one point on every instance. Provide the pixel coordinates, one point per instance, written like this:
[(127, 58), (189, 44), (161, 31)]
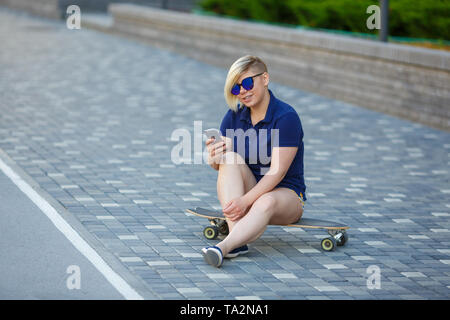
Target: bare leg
[(234, 180), (280, 206)]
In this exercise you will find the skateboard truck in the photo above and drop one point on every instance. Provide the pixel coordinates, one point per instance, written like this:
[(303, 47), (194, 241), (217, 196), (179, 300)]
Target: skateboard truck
[(338, 238), (218, 226)]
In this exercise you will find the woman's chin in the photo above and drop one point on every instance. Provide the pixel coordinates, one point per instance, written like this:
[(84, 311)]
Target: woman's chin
[(248, 103)]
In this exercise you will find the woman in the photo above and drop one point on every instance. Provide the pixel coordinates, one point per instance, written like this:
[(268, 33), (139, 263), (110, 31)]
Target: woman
[(255, 192)]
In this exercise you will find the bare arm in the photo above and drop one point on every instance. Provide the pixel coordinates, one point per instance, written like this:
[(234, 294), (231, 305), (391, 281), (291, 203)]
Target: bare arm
[(282, 158)]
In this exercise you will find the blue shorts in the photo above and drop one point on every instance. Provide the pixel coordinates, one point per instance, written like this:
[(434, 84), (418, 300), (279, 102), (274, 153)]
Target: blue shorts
[(301, 199)]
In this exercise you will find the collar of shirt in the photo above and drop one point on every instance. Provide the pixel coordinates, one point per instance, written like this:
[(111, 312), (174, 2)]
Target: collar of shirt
[(245, 114)]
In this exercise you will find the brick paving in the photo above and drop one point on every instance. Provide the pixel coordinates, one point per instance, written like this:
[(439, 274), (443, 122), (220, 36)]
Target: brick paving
[(90, 117)]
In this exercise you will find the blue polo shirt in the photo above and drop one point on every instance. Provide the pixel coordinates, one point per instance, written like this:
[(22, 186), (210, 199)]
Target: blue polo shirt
[(280, 127)]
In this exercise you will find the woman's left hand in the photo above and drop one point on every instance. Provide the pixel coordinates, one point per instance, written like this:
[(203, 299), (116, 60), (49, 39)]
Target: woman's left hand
[(236, 208)]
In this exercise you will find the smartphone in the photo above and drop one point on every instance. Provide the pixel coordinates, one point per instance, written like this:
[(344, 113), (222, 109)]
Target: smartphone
[(214, 133)]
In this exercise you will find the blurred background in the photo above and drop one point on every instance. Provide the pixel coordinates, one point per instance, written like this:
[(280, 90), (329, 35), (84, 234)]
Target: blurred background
[(423, 23), (328, 47), (102, 5)]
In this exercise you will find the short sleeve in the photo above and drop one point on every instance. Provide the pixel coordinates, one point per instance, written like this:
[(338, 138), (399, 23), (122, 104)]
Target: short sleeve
[(290, 130), (227, 123)]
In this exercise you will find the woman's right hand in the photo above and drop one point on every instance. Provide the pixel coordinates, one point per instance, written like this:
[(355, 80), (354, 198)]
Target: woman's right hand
[(215, 152)]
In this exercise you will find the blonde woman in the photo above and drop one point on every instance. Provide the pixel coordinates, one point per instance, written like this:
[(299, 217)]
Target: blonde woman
[(260, 161)]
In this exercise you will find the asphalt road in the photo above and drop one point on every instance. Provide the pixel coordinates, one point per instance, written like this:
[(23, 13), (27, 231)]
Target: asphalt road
[(36, 260)]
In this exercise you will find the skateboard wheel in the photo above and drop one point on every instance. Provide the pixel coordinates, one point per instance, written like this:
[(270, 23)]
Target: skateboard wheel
[(211, 232), (328, 244), (343, 240), (223, 228)]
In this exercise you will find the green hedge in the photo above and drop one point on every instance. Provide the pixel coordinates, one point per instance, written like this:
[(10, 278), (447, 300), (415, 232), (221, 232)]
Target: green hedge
[(415, 19)]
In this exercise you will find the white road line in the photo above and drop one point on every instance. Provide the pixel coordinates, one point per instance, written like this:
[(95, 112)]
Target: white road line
[(116, 281)]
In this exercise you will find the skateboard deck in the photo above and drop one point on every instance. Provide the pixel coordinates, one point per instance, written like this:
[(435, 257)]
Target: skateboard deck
[(218, 225)]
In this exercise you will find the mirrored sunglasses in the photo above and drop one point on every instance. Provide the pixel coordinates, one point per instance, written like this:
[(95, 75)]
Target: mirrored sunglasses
[(247, 84)]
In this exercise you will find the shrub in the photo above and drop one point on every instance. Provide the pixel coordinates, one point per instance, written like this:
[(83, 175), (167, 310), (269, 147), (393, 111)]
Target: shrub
[(416, 19)]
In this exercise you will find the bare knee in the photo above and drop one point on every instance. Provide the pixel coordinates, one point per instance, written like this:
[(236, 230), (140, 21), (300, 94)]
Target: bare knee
[(231, 159), (231, 166), (230, 180), (266, 204)]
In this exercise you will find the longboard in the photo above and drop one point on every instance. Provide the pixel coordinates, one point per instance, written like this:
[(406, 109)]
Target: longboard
[(218, 225)]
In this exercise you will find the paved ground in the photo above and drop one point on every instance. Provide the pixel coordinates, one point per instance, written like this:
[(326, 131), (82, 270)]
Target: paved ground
[(89, 117)]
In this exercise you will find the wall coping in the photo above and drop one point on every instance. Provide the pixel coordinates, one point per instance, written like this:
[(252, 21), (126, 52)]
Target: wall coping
[(437, 59)]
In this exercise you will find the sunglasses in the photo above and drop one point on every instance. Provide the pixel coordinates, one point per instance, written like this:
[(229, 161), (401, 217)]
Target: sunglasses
[(247, 84)]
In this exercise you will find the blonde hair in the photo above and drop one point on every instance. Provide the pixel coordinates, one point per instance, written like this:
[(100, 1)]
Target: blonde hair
[(241, 65)]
